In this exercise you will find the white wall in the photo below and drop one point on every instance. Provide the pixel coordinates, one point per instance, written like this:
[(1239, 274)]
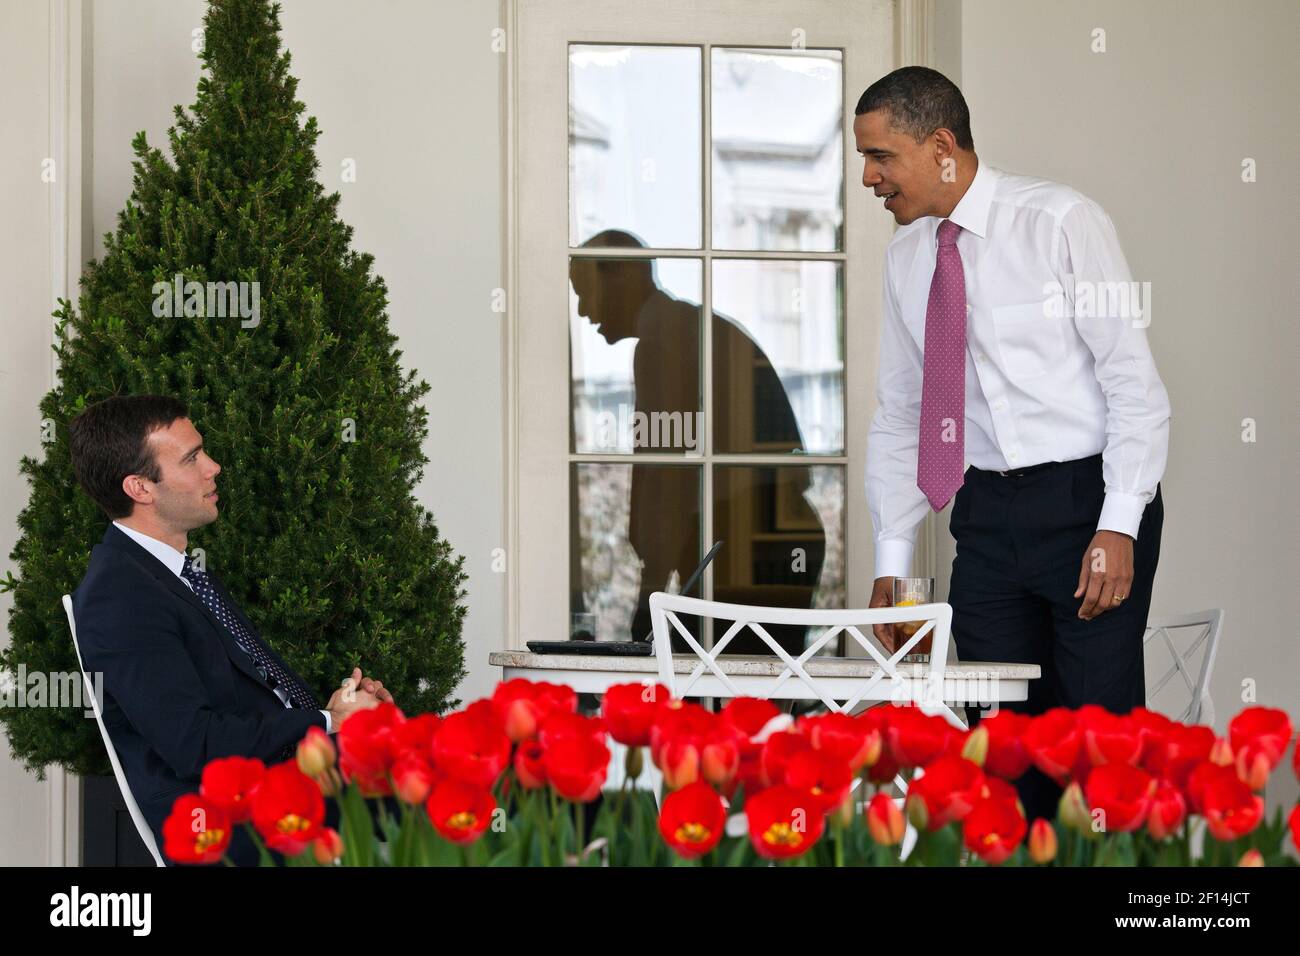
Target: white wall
[(26, 276), (1155, 129), (410, 91)]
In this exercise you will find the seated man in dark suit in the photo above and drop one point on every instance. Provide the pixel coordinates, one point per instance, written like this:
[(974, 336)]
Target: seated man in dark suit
[(186, 676)]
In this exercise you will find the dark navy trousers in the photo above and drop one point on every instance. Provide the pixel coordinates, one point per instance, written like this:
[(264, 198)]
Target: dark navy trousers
[(1021, 538)]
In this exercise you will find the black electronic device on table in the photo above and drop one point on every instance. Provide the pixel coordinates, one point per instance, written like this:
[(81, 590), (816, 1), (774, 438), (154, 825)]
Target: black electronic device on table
[(642, 648)]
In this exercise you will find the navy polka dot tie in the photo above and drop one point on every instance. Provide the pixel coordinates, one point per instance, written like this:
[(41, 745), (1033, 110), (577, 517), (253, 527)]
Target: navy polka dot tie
[(249, 643)]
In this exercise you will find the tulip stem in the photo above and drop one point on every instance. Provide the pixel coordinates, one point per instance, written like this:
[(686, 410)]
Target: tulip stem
[(580, 811)]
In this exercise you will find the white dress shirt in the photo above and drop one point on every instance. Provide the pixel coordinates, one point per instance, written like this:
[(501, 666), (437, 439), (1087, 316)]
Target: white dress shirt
[(174, 561), (1044, 381)]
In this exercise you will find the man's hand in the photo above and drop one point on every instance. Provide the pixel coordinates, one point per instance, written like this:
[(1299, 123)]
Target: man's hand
[(376, 687), (1106, 575), (352, 697), (882, 595)]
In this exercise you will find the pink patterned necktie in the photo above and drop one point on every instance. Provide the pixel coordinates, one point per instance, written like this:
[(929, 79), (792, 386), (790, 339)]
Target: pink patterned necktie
[(941, 453)]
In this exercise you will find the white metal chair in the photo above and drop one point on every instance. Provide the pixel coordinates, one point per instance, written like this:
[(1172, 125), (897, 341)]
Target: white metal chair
[(142, 827), (1183, 636), (708, 680)]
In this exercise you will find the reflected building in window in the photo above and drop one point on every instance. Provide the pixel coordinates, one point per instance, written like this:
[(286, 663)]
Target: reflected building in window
[(637, 343)]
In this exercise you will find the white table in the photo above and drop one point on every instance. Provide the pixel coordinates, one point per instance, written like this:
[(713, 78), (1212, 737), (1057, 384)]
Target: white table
[(973, 683)]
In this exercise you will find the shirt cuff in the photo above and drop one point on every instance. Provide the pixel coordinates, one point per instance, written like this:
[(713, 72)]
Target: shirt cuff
[(893, 558), (1121, 512), (329, 722)]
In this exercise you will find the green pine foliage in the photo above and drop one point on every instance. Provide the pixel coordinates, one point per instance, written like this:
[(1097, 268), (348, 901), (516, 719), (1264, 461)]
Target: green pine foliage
[(317, 431)]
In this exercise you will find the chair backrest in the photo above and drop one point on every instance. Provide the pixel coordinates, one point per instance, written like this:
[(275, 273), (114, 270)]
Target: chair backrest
[(141, 825), (936, 618), (1183, 637), (664, 617)]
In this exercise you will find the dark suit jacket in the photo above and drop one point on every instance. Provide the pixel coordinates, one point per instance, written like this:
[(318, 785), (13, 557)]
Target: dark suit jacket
[(178, 691)]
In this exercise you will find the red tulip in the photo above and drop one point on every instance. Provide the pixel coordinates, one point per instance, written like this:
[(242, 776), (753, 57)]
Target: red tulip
[(530, 765), (327, 847), (629, 711), (1253, 766), (288, 810), (576, 767), (1072, 810), (555, 699), (1053, 740), (316, 753), (975, 748), (1221, 753), (460, 812), (993, 829), (229, 782), (367, 749), (825, 777), (1264, 730), (720, 757), (1293, 823), (1123, 795), (1202, 775), (883, 770), (885, 821), (948, 790), (1251, 858), (749, 715), (471, 749), (564, 724), (1042, 842), (692, 820), (414, 737), (783, 822), (413, 780), (520, 706), (1230, 809), (995, 788), (679, 718), (1181, 749), (916, 738), (842, 737), (1007, 757), (516, 708), (679, 759), (1108, 738), (1168, 811), (777, 752), (1153, 728), (196, 831)]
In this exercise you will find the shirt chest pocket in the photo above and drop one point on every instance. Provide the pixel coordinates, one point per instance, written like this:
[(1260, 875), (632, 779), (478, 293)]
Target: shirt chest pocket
[(1031, 339)]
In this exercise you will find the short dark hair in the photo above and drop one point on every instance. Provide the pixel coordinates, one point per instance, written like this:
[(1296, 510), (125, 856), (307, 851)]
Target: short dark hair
[(920, 101), (109, 440)]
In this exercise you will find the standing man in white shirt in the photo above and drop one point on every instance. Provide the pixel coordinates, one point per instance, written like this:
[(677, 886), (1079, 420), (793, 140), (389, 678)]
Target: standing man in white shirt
[(1015, 379)]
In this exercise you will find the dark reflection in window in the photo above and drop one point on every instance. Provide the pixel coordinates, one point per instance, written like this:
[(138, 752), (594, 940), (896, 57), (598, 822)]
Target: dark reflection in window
[(634, 331), (779, 379), (633, 530), (784, 528), (639, 390)]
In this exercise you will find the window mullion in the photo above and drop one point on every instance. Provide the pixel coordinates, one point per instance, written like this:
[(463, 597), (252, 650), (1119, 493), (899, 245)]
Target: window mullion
[(706, 357)]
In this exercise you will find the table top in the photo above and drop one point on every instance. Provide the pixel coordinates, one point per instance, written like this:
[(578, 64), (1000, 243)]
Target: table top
[(759, 666)]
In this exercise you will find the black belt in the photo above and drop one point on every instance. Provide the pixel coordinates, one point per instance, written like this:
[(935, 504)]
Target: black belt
[(1034, 469)]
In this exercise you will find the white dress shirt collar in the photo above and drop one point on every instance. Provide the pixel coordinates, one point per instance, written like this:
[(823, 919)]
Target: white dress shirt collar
[(172, 559), (972, 210)]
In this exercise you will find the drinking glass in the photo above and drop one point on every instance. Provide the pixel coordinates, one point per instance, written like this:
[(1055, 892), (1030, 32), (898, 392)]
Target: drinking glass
[(907, 593)]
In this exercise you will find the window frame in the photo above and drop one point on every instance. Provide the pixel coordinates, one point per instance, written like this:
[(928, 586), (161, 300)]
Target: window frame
[(538, 453)]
